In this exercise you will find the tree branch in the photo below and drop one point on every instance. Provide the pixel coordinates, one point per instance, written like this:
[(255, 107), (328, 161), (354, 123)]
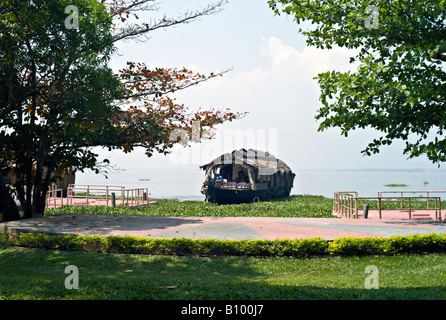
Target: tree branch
[(136, 31), (180, 85)]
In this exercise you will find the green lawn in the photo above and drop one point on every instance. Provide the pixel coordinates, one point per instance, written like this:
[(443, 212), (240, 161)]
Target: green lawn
[(39, 274), (300, 206), (295, 206)]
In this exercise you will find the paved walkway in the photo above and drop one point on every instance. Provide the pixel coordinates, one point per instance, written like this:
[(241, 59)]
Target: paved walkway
[(223, 227), (402, 214)]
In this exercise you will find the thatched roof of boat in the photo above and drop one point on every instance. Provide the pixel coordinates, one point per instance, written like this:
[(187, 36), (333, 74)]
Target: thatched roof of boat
[(264, 161)]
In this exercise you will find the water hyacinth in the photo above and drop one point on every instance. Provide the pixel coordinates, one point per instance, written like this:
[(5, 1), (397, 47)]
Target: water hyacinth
[(302, 206)]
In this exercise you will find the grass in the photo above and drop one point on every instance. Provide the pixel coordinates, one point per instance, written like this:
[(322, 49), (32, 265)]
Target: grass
[(121, 276), (39, 274), (300, 206), (295, 206)]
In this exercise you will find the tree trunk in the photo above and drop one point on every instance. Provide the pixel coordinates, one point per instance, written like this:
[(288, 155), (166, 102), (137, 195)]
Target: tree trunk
[(7, 204), (41, 187)]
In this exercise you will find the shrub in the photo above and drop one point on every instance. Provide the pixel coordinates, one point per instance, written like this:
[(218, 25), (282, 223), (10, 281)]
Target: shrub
[(298, 248), (416, 243), (351, 246), (36, 240)]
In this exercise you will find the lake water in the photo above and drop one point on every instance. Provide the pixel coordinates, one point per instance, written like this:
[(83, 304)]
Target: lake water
[(185, 184)]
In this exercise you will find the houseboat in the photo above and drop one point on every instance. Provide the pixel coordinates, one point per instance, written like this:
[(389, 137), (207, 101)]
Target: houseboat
[(246, 176)]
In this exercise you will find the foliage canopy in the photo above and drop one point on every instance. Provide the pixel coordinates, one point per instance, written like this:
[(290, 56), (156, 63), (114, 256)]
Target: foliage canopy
[(59, 98), (399, 86)]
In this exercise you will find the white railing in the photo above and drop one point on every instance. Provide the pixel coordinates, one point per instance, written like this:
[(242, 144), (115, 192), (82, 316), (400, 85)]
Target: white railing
[(54, 197), (347, 203), (94, 194), (107, 195)]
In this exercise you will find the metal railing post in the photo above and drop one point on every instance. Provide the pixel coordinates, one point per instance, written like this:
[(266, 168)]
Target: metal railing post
[(379, 206), (366, 211), (436, 207), (429, 201), (349, 205), (106, 196), (402, 205)]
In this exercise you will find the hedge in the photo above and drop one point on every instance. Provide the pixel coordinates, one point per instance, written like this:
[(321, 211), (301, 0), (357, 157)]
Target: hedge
[(299, 248)]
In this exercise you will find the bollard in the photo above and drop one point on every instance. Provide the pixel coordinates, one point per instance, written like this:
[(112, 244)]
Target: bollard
[(366, 211), (113, 200)]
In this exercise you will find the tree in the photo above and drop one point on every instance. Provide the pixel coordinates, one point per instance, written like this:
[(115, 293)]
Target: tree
[(59, 98), (399, 86)]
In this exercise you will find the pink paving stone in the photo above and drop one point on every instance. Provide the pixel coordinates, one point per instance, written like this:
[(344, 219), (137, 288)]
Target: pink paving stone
[(270, 228), (399, 214), (383, 222), (302, 232)]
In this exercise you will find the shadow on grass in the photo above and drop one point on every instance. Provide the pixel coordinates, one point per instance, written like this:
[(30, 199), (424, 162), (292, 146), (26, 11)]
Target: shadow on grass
[(40, 274)]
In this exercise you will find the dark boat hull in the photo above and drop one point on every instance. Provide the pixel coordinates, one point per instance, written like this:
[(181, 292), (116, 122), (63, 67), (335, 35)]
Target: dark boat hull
[(231, 196)]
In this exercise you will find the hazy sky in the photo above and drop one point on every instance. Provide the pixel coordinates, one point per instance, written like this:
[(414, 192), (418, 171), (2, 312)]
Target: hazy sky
[(272, 78)]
